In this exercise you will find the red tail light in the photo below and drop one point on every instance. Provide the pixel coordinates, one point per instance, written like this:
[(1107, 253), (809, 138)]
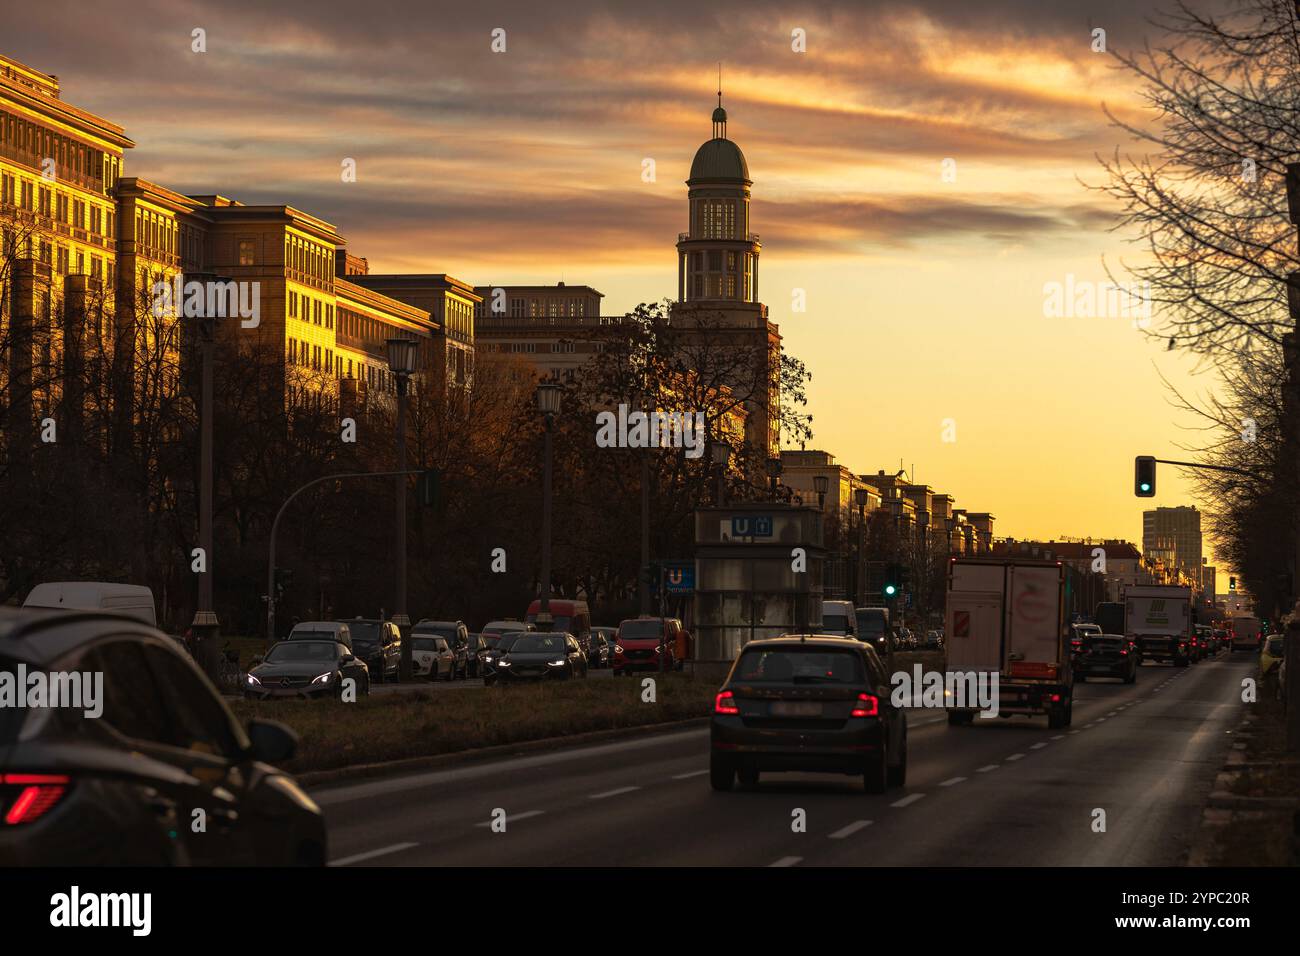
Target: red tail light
[(868, 706), (725, 704), (37, 795), (1123, 653)]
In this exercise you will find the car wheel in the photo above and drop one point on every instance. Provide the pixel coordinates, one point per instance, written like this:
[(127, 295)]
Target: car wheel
[(875, 775), (898, 775), (722, 775), (1180, 662), (748, 777), (1056, 718), (450, 674), (1069, 712), (1132, 676)]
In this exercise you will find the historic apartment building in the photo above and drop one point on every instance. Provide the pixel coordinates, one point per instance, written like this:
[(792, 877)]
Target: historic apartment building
[(88, 247)]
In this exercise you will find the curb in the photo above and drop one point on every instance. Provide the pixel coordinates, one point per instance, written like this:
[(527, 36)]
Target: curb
[(316, 778)]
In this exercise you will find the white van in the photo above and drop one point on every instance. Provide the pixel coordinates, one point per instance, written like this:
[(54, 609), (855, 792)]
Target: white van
[(839, 619), (133, 600), (321, 630)]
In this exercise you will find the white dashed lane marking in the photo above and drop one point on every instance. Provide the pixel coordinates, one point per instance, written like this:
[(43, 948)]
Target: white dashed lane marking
[(787, 861), (851, 829), (908, 800), (371, 854), (1016, 757), (1038, 746), (987, 768), (612, 793), (693, 773), (952, 782)]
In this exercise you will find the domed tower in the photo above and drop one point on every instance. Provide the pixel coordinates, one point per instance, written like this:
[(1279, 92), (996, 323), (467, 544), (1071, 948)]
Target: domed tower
[(717, 281), (717, 260)]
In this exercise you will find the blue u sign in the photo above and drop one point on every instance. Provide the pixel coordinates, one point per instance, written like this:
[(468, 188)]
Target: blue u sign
[(751, 526)]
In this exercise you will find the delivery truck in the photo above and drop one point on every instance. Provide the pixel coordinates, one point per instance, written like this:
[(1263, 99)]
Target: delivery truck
[(1158, 619), (1245, 632), (1007, 617)]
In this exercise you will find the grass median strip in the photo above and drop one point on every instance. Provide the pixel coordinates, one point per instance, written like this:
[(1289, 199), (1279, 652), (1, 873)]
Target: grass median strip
[(396, 726)]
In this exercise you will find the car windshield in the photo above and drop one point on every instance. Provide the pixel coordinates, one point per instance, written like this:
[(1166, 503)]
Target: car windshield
[(1275, 646), (835, 624), (870, 623), (364, 632), (559, 622), (788, 665), (448, 631), (507, 640), (537, 643), (302, 651), (303, 633), (424, 644), (640, 630)]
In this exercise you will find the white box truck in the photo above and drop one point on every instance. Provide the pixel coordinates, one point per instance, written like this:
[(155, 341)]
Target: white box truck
[(1007, 616), (1158, 619)]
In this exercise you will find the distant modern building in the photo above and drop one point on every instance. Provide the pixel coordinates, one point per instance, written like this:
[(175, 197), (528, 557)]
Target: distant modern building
[(1173, 535)]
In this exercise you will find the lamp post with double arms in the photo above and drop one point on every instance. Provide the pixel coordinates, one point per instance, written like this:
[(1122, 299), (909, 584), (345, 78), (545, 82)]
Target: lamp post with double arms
[(548, 403), (402, 354), (860, 496)]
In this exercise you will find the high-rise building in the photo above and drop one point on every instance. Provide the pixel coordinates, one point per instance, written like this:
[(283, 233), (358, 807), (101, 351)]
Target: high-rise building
[(1173, 536)]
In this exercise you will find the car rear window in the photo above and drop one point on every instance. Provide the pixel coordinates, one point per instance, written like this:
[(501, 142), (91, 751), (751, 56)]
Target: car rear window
[(835, 623), (640, 630), (785, 665)]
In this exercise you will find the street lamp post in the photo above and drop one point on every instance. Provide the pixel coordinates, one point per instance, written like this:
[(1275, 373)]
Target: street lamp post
[(401, 362), (821, 484), (548, 403), (860, 496), (205, 624), (773, 475)]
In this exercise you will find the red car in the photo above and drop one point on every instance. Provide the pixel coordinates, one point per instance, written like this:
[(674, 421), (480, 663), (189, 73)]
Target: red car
[(642, 642)]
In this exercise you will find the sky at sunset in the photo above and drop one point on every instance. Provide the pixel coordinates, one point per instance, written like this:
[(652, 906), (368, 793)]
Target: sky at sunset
[(924, 297)]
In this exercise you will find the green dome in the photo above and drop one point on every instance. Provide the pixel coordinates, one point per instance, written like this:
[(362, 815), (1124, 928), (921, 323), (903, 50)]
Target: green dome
[(719, 159)]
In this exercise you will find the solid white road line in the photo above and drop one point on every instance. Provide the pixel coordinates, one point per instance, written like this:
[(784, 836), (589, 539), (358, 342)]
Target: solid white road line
[(952, 782), (908, 800), (986, 769), (787, 861), (851, 829), (512, 817), (371, 854), (693, 773)]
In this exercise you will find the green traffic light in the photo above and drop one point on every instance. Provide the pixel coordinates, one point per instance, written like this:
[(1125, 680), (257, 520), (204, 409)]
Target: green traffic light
[(1145, 486), (890, 589)]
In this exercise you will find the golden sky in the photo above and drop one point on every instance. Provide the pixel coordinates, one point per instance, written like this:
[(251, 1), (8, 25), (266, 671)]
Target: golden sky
[(925, 297)]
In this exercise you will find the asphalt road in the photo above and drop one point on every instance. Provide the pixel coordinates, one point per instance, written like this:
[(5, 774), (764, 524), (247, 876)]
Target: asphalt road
[(1001, 792)]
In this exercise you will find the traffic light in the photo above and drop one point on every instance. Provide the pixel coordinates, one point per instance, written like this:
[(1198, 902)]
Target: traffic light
[(1232, 584), (429, 488), (1144, 476), (892, 578)]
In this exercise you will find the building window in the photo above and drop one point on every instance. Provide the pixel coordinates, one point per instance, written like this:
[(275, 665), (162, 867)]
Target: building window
[(246, 252)]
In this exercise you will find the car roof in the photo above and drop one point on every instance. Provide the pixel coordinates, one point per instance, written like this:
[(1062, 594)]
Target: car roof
[(808, 640), (440, 623), (43, 635)]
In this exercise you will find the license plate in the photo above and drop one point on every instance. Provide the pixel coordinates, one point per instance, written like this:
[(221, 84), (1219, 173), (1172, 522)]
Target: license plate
[(783, 708)]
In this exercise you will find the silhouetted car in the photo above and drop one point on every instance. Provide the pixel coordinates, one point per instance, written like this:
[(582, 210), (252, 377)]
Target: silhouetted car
[(808, 703), (379, 644), (542, 655), (1105, 655), (600, 652), (306, 669), (123, 788), (497, 648)]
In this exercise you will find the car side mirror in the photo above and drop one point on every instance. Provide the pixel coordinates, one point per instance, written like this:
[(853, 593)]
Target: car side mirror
[(271, 741), (348, 658)]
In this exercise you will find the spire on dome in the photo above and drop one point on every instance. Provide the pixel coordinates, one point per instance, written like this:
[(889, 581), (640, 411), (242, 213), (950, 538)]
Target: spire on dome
[(719, 114)]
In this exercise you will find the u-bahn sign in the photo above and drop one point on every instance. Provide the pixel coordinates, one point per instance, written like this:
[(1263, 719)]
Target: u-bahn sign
[(679, 577), (751, 526)]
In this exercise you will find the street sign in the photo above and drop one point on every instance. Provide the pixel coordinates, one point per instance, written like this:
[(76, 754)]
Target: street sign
[(679, 577), (751, 526)]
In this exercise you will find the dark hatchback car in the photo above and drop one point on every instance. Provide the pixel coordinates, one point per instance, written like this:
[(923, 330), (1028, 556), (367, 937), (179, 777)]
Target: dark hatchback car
[(124, 788), (1105, 655), (807, 703), (306, 669), (542, 655), (379, 644)]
